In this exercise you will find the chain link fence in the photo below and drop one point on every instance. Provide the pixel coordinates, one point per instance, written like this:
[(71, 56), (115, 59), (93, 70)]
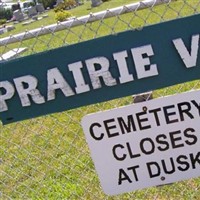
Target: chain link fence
[(48, 157)]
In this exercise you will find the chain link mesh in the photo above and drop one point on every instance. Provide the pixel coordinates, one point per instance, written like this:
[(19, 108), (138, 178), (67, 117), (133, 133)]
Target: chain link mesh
[(48, 157)]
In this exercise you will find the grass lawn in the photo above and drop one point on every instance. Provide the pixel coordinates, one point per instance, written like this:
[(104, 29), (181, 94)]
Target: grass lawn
[(48, 157), (100, 28)]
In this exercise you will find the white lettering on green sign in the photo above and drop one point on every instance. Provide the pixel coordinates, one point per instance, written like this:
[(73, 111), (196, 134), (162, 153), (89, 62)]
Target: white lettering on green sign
[(27, 86)]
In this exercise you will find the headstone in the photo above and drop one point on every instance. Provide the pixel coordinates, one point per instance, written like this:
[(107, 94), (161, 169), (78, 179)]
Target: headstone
[(32, 11), (40, 8), (58, 2), (96, 3), (12, 53), (10, 28), (79, 2), (35, 17), (45, 16), (18, 15), (27, 23), (3, 30)]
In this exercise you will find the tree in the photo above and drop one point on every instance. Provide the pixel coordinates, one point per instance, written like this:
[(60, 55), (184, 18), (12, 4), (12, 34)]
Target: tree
[(47, 3), (5, 13)]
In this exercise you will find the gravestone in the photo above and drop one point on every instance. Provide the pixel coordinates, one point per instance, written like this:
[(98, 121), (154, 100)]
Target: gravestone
[(18, 15), (79, 2), (14, 53), (32, 11), (10, 28), (96, 3), (58, 2), (3, 30), (40, 8)]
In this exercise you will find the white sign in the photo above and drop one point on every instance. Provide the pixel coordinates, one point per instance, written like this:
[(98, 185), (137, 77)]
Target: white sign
[(147, 144)]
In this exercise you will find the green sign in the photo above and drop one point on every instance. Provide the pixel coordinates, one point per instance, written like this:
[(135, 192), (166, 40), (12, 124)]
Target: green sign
[(99, 70)]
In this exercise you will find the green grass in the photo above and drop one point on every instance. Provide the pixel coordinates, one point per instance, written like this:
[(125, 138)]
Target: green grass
[(48, 157), (77, 12), (100, 28)]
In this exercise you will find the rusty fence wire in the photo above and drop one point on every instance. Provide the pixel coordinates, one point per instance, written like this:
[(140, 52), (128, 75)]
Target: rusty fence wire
[(48, 157)]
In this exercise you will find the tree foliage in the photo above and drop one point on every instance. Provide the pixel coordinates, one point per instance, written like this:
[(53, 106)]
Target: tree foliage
[(6, 13), (47, 3)]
